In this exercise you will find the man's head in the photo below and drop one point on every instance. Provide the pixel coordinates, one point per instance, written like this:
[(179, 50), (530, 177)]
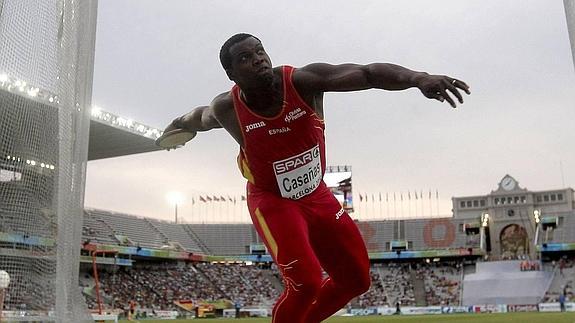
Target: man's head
[(225, 56), (244, 59)]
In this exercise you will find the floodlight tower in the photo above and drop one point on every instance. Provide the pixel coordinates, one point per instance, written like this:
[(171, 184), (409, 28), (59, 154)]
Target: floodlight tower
[(484, 225), (175, 198)]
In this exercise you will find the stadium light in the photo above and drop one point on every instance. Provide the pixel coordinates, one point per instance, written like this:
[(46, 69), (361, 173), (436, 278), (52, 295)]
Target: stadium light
[(12, 84), (125, 123), (175, 198), (485, 220), (537, 215)]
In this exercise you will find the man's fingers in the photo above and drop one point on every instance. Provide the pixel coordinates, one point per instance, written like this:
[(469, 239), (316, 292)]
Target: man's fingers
[(446, 96), (451, 87), (460, 84)]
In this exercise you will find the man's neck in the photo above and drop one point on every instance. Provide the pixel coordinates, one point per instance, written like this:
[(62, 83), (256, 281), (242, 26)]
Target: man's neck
[(262, 97)]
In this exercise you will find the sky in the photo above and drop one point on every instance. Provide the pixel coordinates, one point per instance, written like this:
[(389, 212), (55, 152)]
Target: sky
[(156, 60)]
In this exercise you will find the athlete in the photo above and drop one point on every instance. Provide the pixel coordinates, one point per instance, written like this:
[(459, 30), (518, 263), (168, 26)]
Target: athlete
[(276, 116)]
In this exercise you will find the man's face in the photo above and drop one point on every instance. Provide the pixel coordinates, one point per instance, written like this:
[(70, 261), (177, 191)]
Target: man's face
[(251, 65)]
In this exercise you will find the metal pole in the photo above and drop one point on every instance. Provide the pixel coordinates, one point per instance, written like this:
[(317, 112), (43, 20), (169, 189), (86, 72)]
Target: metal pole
[(176, 213), (570, 15), (1, 294), (482, 237), (94, 267)]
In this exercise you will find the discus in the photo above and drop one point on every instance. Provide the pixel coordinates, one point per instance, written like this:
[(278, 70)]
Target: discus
[(175, 138)]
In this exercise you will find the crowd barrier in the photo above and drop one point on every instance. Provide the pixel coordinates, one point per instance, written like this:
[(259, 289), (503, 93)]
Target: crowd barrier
[(490, 308)]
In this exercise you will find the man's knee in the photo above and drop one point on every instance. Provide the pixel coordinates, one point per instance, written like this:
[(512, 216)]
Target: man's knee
[(306, 289)]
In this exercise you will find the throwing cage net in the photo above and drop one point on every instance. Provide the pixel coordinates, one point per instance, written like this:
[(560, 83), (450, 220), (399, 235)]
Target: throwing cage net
[(46, 66), (570, 14)]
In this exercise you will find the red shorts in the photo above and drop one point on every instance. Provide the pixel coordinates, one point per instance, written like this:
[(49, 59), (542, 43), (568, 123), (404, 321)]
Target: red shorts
[(305, 236)]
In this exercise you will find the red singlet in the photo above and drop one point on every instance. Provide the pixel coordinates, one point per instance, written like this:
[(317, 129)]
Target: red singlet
[(284, 154)]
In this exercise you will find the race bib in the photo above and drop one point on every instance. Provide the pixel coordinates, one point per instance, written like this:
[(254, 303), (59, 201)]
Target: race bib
[(299, 175)]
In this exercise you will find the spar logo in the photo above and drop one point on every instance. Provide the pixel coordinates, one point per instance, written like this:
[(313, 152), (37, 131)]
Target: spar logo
[(255, 126), (295, 162), (294, 114)]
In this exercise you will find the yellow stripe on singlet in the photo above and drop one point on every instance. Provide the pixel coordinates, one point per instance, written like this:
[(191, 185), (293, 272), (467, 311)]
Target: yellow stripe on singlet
[(247, 172), (267, 233), (245, 169)]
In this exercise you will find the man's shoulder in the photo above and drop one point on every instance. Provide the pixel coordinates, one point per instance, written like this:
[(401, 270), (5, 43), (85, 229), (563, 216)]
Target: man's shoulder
[(223, 100), (222, 104)]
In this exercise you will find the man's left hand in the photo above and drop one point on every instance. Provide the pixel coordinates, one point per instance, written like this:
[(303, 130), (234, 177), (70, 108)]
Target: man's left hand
[(439, 87)]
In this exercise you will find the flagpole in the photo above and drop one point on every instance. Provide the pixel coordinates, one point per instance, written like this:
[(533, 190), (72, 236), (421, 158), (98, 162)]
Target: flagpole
[(437, 201), (372, 206), (401, 205), (380, 215), (394, 207), (387, 204), (409, 204), (430, 205), (416, 203)]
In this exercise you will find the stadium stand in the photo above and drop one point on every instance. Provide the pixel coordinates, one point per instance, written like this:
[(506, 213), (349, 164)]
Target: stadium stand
[(397, 283), (503, 282), (225, 239), (376, 295), (176, 233), (413, 278), (97, 231), (442, 282), (137, 230), (563, 279)]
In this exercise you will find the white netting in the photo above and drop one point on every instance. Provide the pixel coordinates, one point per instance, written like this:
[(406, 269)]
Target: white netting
[(46, 62), (570, 13)]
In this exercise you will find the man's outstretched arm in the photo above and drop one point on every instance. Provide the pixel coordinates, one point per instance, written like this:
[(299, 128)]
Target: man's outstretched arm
[(322, 77), (201, 118)]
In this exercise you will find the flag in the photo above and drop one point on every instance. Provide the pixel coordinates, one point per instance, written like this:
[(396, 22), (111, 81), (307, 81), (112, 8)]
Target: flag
[(415, 194), (436, 194), (409, 195), (243, 198), (372, 198), (230, 199), (394, 196), (193, 201), (360, 197), (215, 198), (380, 196), (386, 197), (202, 199), (421, 194), (234, 200), (401, 195), (430, 194), (366, 197), (223, 199)]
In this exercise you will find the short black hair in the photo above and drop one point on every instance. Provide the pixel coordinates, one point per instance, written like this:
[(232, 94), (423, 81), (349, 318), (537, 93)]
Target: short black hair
[(225, 56)]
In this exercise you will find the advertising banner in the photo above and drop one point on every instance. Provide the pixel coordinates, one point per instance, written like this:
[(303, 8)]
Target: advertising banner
[(456, 309), (493, 308), (421, 310), (522, 308), (363, 311)]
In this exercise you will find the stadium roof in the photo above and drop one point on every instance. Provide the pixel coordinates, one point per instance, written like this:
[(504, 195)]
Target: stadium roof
[(110, 134), (114, 136)]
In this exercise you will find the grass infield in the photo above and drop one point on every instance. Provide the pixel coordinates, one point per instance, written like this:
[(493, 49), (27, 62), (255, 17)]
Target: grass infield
[(568, 317)]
